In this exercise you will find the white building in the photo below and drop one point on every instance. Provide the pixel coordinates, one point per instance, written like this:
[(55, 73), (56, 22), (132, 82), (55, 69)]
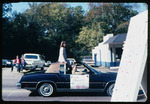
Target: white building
[(108, 53)]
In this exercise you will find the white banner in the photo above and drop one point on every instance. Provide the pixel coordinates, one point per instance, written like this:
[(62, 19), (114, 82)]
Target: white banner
[(79, 81)]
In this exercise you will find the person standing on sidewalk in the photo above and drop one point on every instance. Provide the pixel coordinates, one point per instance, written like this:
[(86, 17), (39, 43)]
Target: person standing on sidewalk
[(22, 63), (12, 65), (17, 62)]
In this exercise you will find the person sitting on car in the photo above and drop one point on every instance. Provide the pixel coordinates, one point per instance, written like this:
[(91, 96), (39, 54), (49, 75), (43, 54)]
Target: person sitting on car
[(74, 70)]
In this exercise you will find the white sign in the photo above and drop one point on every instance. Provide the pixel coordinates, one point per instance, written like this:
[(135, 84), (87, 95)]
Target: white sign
[(133, 60), (79, 81)]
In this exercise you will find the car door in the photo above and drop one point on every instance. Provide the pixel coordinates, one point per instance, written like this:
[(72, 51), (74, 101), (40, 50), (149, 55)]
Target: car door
[(72, 81), (97, 81), (64, 78)]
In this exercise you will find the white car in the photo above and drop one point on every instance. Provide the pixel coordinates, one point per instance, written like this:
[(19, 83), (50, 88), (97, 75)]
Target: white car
[(33, 61)]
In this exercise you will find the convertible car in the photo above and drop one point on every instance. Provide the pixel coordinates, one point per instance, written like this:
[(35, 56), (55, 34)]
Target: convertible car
[(57, 78)]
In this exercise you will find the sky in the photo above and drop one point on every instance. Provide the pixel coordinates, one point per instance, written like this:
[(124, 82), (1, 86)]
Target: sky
[(22, 6)]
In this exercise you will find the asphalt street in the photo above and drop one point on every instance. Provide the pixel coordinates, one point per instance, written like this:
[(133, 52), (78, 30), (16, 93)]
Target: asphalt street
[(11, 93)]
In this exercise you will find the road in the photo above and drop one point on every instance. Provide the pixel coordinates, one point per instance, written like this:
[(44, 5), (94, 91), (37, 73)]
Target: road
[(11, 93)]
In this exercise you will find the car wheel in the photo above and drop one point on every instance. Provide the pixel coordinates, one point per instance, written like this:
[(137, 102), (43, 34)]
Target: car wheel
[(109, 90), (46, 90)]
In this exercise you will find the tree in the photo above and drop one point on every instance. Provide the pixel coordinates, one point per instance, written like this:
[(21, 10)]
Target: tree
[(42, 27), (88, 38), (6, 29), (103, 18), (6, 8), (58, 22), (111, 15)]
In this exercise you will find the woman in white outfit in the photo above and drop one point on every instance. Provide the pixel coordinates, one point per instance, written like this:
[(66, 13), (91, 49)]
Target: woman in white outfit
[(62, 53), (63, 56)]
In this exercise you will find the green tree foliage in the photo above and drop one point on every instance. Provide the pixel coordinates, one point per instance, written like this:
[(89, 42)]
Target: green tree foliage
[(7, 8), (6, 29), (42, 27), (89, 37), (114, 17), (59, 22), (103, 18)]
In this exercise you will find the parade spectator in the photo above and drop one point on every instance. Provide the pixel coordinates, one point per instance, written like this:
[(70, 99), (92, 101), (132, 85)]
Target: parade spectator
[(13, 64), (17, 62), (22, 63)]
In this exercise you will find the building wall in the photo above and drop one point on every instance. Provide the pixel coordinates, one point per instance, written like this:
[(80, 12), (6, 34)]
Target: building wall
[(105, 54), (102, 54)]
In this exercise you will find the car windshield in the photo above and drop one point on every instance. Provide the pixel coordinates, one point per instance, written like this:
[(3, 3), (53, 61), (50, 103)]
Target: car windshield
[(87, 66), (31, 57)]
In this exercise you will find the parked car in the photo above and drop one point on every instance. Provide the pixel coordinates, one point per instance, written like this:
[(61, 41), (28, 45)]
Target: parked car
[(48, 63), (56, 79), (6, 62), (33, 61), (88, 60)]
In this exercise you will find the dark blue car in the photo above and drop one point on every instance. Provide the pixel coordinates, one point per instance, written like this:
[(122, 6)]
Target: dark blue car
[(57, 78)]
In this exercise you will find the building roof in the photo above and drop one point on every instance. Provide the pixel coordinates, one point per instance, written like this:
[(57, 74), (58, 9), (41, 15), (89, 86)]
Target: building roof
[(118, 39)]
